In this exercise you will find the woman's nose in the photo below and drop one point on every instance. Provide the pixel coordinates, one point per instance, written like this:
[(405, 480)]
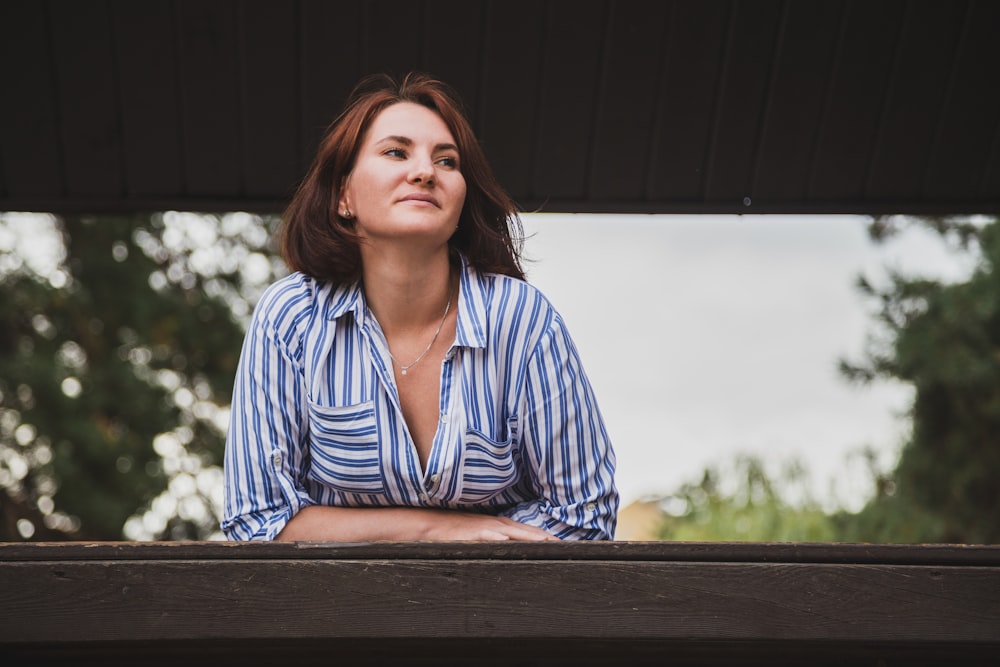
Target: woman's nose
[(422, 169)]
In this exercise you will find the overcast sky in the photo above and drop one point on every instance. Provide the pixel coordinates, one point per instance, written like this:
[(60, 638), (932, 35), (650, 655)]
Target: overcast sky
[(706, 336)]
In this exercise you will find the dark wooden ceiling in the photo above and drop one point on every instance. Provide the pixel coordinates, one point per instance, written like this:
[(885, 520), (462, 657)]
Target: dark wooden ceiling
[(820, 106)]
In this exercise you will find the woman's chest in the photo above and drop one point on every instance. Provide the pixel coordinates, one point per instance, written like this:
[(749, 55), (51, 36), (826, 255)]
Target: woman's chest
[(449, 438)]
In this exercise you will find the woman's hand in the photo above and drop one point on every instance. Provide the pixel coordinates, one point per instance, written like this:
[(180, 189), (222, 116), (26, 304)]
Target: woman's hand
[(404, 524), (467, 527)]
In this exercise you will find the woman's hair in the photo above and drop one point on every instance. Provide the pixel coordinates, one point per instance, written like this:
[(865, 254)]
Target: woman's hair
[(318, 242)]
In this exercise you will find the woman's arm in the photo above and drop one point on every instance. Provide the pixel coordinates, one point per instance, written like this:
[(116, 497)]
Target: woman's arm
[(264, 458), (403, 524), (567, 446)]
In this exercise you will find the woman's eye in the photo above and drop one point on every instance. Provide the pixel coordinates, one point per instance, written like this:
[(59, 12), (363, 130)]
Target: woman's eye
[(451, 162), (395, 152)]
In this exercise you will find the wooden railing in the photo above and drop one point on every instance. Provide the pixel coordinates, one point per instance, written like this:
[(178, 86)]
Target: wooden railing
[(499, 604)]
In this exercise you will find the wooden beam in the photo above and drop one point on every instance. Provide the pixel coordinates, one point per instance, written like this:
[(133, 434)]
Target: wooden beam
[(842, 603)]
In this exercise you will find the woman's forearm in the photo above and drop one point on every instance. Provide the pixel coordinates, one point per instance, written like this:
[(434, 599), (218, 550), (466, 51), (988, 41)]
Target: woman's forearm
[(403, 524)]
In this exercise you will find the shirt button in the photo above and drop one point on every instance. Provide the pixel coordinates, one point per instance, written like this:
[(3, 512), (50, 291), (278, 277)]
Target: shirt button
[(590, 507), (276, 458), (423, 497), (444, 418), (434, 479)]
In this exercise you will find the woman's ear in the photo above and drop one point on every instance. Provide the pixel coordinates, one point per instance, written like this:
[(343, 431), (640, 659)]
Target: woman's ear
[(344, 201)]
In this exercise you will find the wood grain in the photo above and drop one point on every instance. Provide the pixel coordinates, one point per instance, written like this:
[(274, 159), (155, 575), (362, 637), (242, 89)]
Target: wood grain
[(571, 603), (748, 552)]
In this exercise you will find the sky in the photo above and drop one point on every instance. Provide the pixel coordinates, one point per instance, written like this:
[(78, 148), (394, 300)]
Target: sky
[(706, 337)]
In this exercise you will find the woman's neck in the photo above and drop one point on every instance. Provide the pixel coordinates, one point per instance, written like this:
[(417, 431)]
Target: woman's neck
[(407, 293)]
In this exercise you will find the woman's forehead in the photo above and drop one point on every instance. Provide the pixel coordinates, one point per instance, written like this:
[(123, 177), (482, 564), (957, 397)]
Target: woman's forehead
[(411, 121)]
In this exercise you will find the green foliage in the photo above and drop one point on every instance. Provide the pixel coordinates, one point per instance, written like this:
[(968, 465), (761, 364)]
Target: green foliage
[(944, 339), (746, 504), (115, 372)]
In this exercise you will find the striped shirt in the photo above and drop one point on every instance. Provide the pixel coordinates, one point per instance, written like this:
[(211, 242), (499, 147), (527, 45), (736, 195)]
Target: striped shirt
[(316, 417)]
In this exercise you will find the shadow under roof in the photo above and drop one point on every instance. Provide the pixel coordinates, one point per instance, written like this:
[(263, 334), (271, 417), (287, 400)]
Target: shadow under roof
[(763, 106)]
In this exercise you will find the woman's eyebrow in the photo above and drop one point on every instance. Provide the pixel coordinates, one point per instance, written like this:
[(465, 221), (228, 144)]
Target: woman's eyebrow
[(397, 139), (406, 141)]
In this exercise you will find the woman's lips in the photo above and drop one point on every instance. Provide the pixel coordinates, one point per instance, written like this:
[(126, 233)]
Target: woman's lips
[(420, 197)]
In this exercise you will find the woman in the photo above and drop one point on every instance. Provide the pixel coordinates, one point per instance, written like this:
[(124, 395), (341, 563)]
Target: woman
[(405, 383)]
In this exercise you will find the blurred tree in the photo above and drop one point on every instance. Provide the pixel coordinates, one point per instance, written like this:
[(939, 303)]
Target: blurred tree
[(941, 337), (746, 504), (115, 374), (944, 339)]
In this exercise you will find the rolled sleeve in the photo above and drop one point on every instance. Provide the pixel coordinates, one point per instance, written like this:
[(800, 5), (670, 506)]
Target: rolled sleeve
[(567, 445), (264, 462)]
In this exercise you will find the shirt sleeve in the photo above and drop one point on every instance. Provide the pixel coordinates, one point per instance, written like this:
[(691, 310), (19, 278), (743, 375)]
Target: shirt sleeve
[(566, 446), (264, 460)]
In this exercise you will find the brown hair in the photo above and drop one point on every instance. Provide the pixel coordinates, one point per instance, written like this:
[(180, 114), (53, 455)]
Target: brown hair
[(318, 242)]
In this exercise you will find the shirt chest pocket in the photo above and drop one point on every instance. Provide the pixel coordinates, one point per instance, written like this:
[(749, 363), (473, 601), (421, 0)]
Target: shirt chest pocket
[(488, 466), (344, 448)]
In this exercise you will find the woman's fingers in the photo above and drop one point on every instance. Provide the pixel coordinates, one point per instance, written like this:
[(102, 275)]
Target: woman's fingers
[(508, 529), (454, 526), (525, 533)]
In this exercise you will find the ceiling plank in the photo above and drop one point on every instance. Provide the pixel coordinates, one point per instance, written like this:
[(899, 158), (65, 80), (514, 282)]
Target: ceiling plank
[(269, 87), (961, 148), (453, 27), (207, 52), (510, 93), (795, 103), (30, 159), (572, 56), (392, 41), (913, 105), (329, 63), (145, 64), (749, 59), (90, 122), (621, 143), (691, 70), (858, 83)]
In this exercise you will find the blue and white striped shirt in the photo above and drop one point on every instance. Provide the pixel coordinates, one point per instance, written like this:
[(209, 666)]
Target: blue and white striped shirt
[(316, 416)]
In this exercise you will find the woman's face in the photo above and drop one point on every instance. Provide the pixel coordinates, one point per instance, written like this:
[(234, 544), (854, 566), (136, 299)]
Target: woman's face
[(406, 182)]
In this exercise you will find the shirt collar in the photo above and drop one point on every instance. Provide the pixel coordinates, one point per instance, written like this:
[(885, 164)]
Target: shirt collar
[(470, 328), (347, 299)]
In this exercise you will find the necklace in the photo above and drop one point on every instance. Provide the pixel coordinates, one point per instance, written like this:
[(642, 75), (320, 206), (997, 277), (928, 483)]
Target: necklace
[(405, 367)]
